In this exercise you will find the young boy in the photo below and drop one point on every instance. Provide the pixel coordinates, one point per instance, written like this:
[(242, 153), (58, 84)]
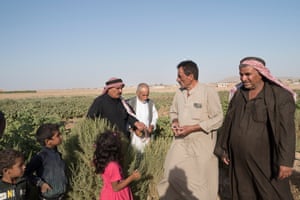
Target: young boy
[(46, 170), (12, 167)]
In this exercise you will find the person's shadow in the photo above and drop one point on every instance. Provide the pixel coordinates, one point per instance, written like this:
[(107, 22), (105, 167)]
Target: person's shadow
[(177, 189)]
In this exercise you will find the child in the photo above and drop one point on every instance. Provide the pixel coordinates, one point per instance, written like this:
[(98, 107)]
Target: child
[(48, 165), (107, 162), (12, 168)]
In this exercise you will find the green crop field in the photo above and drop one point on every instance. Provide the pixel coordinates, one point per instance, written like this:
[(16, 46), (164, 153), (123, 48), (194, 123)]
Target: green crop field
[(25, 115)]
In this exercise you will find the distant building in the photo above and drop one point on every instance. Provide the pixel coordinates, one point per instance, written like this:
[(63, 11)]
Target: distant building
[(222, 85)]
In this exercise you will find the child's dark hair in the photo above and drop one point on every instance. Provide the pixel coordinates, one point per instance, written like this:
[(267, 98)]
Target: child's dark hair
[(46, 131), (8, 158), (108, 148)]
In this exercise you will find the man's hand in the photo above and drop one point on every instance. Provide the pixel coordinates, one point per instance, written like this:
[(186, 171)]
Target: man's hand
[(225, 159), (184, 130), (150, 129), (140, 126), (284, 172), (175, 127), (45, 187)]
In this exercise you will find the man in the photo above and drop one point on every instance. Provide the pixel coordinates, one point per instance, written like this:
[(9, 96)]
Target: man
[(257, 139), (146, 112), (2, 123), (112, 107), (191, 169)]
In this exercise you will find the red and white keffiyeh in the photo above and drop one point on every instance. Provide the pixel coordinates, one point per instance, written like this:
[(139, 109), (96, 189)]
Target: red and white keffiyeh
[(264, 71)]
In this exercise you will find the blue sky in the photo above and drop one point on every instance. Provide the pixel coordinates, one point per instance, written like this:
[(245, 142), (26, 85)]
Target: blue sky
[(62, 44)]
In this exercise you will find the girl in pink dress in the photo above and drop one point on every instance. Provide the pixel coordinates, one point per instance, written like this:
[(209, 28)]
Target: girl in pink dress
[(107, 163)]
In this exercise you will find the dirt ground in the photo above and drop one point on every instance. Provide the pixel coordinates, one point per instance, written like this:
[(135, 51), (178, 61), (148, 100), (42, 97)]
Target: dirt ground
[(97, 91), (79, 92)]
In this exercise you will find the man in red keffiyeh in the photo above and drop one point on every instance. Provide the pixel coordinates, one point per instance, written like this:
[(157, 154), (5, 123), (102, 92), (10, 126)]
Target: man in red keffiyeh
[(257, 138), (111, 106)]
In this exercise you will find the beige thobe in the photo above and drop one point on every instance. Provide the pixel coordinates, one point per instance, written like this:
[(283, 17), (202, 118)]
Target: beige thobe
[(191, 168)]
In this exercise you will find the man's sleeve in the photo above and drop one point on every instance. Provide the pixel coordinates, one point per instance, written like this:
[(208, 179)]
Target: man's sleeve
[(215, 112), (287, 132), (154, 117), (174, 108), (93, 110)]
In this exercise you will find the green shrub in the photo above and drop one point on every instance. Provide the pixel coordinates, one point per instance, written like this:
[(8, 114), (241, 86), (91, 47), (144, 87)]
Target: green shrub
[(151, 168), (78, 151)]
